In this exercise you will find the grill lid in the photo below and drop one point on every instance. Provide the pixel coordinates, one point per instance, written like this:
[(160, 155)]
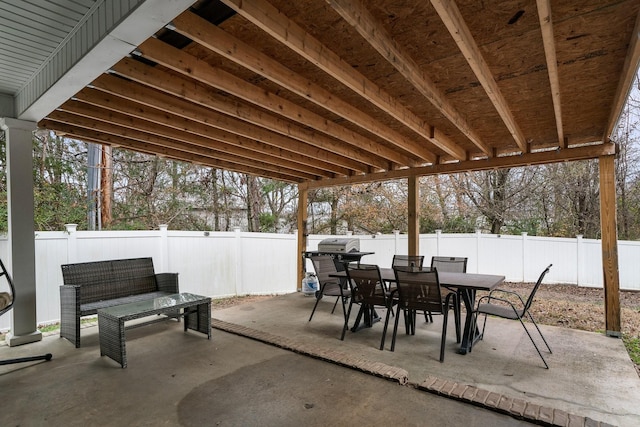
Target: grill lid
[(339, 245)]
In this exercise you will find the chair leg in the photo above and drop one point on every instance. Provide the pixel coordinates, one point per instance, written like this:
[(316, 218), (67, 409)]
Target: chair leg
[(407, 322), (384, 330), (413, 319), (444, 334), (335, 304), (456, 316), (534, 343), (318, 298), (346, 320), (345, 314), (540, 332), (395, 329)]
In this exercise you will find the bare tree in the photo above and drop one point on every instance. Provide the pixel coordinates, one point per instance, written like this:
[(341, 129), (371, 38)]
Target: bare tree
[(497, 194)]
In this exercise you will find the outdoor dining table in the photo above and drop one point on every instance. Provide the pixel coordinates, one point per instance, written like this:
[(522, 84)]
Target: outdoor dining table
[(468, 284)]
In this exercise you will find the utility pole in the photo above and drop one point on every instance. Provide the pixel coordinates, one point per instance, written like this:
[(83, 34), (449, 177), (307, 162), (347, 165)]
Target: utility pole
[(106, 184), (93, 185)]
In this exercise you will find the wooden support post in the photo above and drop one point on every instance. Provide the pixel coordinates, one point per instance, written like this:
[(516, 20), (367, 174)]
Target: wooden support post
[(413, 201), (303, 194), (609, 246)]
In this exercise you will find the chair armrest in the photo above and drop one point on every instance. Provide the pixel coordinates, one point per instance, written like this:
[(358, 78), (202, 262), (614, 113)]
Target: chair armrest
[(447, 299), (504, 291), (69, 294), (168, 282), (69, 301), (490, 298)]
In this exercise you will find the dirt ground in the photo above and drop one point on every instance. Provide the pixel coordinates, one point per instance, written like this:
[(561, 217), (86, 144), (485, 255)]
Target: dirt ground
[(580, 308)]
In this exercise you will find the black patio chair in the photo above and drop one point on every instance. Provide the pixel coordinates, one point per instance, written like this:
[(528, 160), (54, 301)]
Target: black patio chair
[(327, 285), (418, 289), (407, 261), (452, 265), (370, 291), (502, 307), (7, 300)]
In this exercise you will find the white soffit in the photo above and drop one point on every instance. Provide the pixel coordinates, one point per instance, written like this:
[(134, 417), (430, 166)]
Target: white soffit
[(149, 17)]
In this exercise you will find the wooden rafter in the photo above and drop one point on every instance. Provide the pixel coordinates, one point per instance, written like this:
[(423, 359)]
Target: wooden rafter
[(191, 67), (89, 135), (356, 14), (287, 32), (135, 129), (548, 39), (96, 103), (452, 19), (215, 39), (630, 69), (173, 100)]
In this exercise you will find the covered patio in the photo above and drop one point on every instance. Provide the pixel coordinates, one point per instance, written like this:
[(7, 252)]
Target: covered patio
[(267, 362), (264, 87), (319, 93)]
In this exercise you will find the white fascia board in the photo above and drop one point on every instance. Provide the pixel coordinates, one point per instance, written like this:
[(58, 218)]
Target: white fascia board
[(149, 17)]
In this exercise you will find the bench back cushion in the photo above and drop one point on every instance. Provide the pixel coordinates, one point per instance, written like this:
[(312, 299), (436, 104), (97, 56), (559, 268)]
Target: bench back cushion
[(103, 280)]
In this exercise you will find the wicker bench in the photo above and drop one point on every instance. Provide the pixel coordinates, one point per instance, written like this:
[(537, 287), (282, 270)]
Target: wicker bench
[(90, 286)]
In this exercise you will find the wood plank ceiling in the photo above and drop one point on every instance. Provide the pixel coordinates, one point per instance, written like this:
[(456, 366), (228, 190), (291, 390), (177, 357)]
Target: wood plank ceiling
[(339, 91)]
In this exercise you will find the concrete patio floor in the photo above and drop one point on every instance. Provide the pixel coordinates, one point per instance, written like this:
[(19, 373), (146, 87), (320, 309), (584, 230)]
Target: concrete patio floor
[(177, 378), (590, 374)]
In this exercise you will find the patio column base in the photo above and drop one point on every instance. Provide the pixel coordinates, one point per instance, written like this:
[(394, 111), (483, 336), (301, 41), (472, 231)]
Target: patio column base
[(14, 340), (614, 334)]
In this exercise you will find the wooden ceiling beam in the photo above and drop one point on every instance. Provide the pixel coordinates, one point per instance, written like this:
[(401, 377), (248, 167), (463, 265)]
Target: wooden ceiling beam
[(357, 15), (191, 145), (172, 94), (453, 20), (520, 160), (140, 129), (548, 40), (629, 72), (215, 39), (93, 103), (143, 147), (191, 67), (272, 21)]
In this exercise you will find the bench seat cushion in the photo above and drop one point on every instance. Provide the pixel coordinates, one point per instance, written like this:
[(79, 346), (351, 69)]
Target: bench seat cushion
[(92, 308)]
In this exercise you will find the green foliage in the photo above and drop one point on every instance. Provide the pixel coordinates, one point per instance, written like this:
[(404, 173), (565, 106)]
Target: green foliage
[(525, 225), (633, 348), (267, 222), (458, 224)]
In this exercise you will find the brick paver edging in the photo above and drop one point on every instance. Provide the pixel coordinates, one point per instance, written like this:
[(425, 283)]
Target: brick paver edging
[(517, 408), (375, 368)]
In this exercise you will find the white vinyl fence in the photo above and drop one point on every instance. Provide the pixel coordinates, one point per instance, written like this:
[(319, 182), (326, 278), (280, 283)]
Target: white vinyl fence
[(220, 264)]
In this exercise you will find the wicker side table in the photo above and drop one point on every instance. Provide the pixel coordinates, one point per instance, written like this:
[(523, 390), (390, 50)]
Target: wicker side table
[(195, 309)]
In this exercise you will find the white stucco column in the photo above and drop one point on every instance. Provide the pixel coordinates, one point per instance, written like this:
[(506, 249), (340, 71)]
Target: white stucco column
[(19, 140)]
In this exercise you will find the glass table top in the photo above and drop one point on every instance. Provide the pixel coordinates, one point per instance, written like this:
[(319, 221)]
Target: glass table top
[(154, 304)]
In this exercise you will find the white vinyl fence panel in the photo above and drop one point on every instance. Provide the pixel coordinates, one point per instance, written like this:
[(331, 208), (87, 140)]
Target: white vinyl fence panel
[(206, 265), (221, 264)]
